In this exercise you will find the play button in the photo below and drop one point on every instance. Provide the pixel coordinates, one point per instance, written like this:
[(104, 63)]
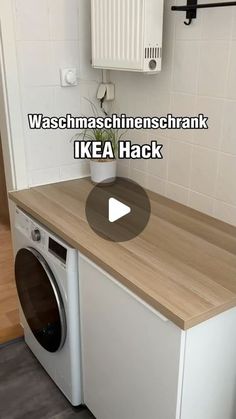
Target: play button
[(118, 212)]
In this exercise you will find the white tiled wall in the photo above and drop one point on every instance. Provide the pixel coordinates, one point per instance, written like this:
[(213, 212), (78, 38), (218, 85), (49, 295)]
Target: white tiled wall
[(199, 67), (199, 76), (51, 34)]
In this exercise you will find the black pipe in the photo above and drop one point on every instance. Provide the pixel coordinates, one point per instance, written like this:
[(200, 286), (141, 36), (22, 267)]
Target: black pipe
[(203, 6)]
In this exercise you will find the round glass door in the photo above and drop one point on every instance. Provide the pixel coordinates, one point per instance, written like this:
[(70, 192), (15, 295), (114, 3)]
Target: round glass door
[(40, 299)]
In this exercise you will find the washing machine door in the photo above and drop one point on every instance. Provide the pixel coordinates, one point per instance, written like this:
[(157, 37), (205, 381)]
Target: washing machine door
[(40, 299)]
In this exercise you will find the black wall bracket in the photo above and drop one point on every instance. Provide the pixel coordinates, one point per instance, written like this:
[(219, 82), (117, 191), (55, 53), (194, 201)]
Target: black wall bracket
[(192, 6), (192, 13)]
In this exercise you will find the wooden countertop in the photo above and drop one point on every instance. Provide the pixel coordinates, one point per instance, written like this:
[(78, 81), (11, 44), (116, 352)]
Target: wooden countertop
[(183, 264)]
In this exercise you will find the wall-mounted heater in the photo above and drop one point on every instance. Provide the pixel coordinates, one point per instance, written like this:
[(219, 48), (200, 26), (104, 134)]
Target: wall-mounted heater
[(127, 35)]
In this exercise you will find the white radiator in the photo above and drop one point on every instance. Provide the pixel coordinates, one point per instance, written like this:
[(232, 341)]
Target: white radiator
[(127, 34)]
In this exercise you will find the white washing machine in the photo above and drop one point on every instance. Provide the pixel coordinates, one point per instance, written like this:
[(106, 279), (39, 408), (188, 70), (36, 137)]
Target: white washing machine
[(46, 271)]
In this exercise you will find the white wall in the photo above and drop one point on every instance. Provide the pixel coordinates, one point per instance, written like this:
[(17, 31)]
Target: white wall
[(51, 34), (199, 75)]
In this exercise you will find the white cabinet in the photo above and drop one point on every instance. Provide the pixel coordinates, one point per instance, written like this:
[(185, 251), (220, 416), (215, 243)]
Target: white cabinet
[(131, 354), (209, 380), (137, 364)]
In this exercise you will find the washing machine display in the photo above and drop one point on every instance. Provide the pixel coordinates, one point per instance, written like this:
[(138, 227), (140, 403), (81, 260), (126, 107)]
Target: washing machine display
[(40, 299)]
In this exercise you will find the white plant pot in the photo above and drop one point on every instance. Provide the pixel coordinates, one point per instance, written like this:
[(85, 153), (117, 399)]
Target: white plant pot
[(103, 171)]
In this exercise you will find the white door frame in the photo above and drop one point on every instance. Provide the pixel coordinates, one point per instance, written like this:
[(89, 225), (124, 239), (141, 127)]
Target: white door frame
[(11, 126)]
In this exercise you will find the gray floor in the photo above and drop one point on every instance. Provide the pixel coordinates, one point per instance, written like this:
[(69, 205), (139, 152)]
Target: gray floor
[(26, 391)]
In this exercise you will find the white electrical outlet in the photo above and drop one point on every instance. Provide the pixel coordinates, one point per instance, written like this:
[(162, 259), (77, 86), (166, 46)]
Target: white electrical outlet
[(69, 77), (106, 92)]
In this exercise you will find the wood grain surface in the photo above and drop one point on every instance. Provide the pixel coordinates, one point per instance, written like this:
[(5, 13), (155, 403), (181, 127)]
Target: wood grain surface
[(183, 264), (9, 315)]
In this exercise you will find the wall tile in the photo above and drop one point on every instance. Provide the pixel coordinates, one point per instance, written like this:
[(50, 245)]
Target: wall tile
[(213, 64), (138, 103), (124, 162), (182, 105), (42, 149), (186, 58), (156, 184), (65, 154), (86, 71), (32, 20), (75, 171), (65, 54), (140, 164), (228, 144), (234, 24), (226, 190), (88, 92), (123, 171), (139, 177), (179, 163), (158, 103), (225, 212), (67, 100), (63, 17), (199, 67), (231, 85), (48, 39), (213, 109), (136, 136), (44, 177), (38, 100), (177, 193), (36, 63), (199, 77), (201, 202), (217, 23), (159, 167), (204, 170)]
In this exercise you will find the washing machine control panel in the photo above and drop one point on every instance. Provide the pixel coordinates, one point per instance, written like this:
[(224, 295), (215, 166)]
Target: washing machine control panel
[(30, 229), (41, 239), (22, 222)]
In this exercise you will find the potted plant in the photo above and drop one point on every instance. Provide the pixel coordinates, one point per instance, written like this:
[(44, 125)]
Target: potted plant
[(103, 171)]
